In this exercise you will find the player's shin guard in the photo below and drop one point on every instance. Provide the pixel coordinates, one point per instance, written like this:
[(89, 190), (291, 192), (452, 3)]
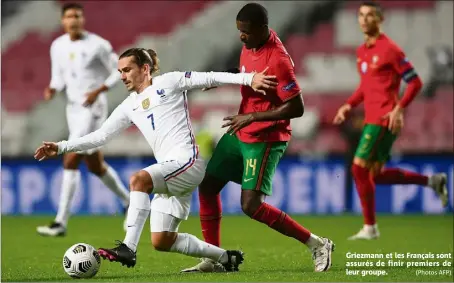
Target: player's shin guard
[(138, 211), (366, 190), (210, 217), (70, 183), (394, 176), (281, 222)]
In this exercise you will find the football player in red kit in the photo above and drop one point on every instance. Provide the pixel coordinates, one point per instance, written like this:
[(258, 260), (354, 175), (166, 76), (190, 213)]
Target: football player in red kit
[(381, 65), (255, 141)]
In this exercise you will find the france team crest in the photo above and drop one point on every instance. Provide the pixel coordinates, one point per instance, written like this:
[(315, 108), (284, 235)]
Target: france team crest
[(146, 103)]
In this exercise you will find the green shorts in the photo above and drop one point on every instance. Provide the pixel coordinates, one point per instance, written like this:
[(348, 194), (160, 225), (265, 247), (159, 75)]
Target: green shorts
[(250, 164), (375, 144)]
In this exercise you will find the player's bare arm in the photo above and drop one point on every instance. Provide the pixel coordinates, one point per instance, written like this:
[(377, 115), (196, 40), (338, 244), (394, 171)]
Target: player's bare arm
[(292, 108)]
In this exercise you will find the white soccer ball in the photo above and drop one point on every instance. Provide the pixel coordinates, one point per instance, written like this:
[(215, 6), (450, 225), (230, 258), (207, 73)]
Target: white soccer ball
[(81, 261)]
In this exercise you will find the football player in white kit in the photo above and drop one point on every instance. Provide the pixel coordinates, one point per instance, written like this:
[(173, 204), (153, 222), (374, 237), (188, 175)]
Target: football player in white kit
[(158, 107), (84, 65)]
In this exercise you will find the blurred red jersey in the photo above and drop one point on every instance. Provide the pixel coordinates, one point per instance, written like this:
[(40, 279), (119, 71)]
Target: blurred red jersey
[(381, 66), (274, 56)]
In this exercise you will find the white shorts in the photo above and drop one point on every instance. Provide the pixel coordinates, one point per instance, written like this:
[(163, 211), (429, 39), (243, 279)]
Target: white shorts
[(162, 222), (84, 120), (173, 185)]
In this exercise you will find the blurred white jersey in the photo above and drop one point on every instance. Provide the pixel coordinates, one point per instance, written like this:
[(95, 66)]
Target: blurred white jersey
[(81, 66)]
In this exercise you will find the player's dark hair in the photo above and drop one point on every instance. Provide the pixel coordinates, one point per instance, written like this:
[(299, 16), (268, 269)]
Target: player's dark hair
[(253, 13), (374, 4), (143, 56), (69, 6)]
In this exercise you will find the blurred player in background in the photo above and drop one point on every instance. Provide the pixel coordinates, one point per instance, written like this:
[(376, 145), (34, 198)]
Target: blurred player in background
[(84, 65), (255, 141), (381, 65), (158, 107)]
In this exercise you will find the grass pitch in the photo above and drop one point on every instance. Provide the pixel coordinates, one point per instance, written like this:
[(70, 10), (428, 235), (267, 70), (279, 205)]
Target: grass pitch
[(270, 256)]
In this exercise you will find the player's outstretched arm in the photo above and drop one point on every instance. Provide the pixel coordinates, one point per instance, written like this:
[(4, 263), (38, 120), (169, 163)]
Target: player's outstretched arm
[(116, 122), (192, 80)]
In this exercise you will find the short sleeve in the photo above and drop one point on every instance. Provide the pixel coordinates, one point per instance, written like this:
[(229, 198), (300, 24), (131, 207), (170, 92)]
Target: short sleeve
[(285, 72)]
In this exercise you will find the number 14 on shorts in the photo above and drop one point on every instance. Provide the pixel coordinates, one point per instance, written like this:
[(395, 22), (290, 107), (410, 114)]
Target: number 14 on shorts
[(251, 166)]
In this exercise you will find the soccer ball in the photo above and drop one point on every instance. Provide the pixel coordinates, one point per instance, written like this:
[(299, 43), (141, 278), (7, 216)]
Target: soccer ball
[(81, 261)]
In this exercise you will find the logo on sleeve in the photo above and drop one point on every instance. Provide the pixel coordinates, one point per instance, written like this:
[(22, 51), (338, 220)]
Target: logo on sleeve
[(187, 75), (404, 61), (290, 86)]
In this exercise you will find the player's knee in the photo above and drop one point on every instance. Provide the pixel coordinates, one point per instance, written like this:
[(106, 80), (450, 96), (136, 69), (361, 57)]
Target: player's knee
[(211, 185), (71, 161), (97, 169), (250, 206), (163, 241), (360, 162), (376, 169), (141, 182)]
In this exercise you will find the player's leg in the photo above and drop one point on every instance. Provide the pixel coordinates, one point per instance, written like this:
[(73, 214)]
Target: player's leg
[(80, 122), (260, 162), (363, 162), (394, 176), (225, 165), (70, 183), (141, 185), (96, 165), (165, 238)]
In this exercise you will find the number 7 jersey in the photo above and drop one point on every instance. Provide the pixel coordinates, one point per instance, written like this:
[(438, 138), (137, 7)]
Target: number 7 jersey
[(161, 113)]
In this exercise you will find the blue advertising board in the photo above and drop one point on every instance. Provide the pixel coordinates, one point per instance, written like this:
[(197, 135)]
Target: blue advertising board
[(301, 186)]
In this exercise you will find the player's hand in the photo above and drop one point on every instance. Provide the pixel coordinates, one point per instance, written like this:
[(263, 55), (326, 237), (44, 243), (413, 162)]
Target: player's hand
[(46, 151), (237, 122), (342, 114), (396, 119), (91, 98), (262, 82), (49, 93)]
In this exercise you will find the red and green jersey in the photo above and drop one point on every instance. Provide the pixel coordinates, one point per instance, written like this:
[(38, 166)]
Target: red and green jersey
[(382, 65), (274, 56)]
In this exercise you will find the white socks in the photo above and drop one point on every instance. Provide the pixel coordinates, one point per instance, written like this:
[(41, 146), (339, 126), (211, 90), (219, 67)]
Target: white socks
[(114, 183), (190, 245), (370, 228), (138, 211), (70, 182), (314, 241)]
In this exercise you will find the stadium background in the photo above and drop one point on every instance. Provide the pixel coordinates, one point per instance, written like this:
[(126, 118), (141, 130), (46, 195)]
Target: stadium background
[(321, 37)]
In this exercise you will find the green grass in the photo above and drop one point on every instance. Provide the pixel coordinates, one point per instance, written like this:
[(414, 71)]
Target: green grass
[(269, 255)]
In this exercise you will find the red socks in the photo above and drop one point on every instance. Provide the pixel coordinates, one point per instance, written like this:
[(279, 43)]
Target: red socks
[(281, 222), (366, 191), (398, 176), (210, 218)]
